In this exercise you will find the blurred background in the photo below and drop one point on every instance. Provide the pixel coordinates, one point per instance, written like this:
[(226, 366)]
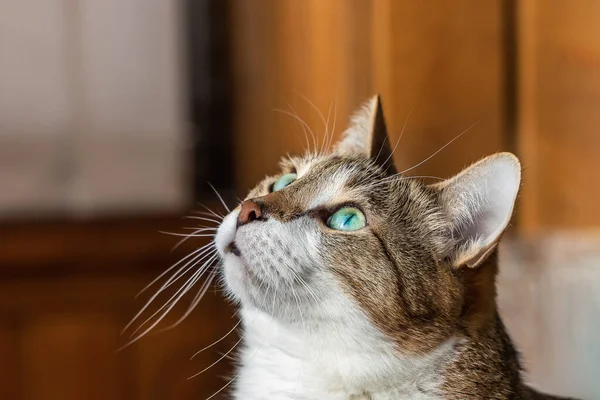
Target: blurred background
[(115, 114)]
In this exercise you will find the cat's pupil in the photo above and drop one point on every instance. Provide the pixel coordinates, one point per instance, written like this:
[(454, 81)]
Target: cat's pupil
[(347, 219)]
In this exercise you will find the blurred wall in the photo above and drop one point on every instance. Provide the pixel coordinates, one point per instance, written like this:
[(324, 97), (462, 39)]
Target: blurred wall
[(92, 122), (91, 113), (526, 72)]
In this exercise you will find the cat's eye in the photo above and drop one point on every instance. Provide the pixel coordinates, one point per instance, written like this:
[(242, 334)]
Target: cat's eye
[(347, 219), (283, 181)]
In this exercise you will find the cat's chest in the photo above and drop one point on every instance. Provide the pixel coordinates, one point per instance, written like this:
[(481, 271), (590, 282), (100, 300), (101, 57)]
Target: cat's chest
[(276, 365), (277, 377)]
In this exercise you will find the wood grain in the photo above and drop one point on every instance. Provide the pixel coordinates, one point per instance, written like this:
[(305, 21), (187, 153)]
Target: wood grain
[(559, 99), (439, 64), (66, 292)]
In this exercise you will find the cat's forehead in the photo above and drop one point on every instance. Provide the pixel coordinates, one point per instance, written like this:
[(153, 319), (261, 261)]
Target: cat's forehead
[(332, 179), (349, 170)]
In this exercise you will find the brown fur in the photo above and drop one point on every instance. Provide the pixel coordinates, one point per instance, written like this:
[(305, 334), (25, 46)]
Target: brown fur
[(400, 270)]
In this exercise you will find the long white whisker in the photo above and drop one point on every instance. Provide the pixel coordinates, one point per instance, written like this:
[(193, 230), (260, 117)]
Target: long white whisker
[(203, 219), (316, 109), (190, 265), (196, 259), (238, 374), (201, 292), (187, 235), (401, 178), (306, 146), (442, 148), (220, 340), (172, 301), (219, 196), (195, 252), (219, 360), (301, 121), (185, 239), (326, 138), (334, 121), (397, 141), (212, 212)]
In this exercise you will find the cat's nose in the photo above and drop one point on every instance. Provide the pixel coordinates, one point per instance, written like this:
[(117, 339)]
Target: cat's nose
[(250, 211)]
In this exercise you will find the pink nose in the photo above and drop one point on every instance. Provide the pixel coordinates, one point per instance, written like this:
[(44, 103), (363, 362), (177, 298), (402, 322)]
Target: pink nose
[(249, 212)]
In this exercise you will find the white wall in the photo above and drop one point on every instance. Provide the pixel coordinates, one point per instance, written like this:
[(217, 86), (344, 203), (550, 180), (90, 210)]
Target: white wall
[(91, 107)]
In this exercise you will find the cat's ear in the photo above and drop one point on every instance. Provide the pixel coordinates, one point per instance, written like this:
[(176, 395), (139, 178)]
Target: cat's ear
[(367, 135), (479, 202)]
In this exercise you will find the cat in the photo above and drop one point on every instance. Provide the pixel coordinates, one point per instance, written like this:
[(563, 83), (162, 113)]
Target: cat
[(355, 282)]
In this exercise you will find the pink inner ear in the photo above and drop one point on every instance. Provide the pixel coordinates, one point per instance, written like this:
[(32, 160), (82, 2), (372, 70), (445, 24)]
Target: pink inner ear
[(480, 202)]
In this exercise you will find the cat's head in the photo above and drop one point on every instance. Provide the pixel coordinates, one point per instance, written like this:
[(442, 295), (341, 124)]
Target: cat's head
[(342, 234)]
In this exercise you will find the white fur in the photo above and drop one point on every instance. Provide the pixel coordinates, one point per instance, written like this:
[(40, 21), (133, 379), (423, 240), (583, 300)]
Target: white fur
[(350, 361), (480, 202), (310, 344)]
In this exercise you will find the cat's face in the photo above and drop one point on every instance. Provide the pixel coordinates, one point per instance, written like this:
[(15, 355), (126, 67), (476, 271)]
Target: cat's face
[(338, 235)]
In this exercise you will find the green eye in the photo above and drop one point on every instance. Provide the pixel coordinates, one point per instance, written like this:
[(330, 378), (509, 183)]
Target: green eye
[(283, 181), (347, 219)]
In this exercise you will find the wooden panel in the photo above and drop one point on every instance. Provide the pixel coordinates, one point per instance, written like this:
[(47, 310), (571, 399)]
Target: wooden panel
[(164, 364), (560, 97), (444, 62), (10, 361), (104, 244), (70, 357), (66, 291), (446, 67)]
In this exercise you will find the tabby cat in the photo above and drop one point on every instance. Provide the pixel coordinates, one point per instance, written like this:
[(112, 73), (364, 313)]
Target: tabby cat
[(356, 282)]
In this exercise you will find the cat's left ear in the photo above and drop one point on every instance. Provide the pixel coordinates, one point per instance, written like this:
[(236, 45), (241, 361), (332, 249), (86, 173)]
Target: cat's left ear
[(479, 202), (367, 136)]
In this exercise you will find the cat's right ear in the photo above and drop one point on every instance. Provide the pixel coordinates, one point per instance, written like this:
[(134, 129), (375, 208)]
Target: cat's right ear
[(479, 202), (367, 136)]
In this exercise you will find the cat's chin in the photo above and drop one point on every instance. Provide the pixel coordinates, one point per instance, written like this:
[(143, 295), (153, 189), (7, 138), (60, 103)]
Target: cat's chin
[(237, 276)]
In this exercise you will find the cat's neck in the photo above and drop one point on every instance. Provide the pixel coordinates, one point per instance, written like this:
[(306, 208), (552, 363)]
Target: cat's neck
[(285, 361), (281, 361)]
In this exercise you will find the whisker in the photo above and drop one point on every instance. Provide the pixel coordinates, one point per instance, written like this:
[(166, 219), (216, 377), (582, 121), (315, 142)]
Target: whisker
[(183, 270), (219, 360), (334, 121), (394, 177), (391, 155), (187, 235), (201, 292), (182, 241), (211, 211), (301, 121), (442, 148), (220, 340), (196, 259), (306, 146), (326, 138), (316, 109), (204, 213), (171, 268), (170, 303), (422, 177), (238, 374), (202, 219), (219, 196)]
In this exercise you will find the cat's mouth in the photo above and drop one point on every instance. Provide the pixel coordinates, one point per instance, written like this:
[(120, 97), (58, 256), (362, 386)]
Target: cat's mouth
[(232, 248)]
